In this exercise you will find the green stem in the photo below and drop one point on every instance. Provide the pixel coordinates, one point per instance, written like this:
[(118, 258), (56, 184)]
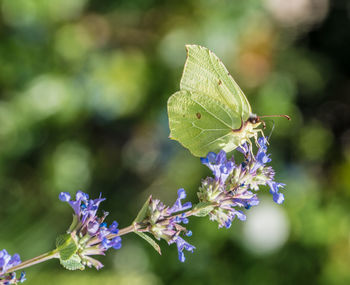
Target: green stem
[(55, 254), (127, 230), (193, 211), (121, 232), (41, 258)]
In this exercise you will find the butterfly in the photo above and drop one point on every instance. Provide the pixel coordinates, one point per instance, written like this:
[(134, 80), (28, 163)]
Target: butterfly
[(210, 112)]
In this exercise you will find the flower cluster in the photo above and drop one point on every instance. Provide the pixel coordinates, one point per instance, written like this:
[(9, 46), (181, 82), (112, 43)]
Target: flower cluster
[(221, 197), (89, 231), (259, 173), (163, 224), (233, 183), (6, 262)]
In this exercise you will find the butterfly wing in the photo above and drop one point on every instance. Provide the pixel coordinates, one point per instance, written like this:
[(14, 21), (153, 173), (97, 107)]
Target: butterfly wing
[(202, 123), (204, 73)]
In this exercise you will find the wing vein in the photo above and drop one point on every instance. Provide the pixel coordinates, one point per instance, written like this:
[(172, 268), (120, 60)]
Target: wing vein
[(213, 115), (216, 140)]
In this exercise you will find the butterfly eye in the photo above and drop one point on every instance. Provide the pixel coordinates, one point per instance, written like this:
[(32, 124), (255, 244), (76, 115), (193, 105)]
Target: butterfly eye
[(253, 119)]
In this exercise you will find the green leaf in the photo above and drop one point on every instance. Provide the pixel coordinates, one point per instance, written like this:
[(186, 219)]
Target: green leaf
[(73, 263), (151, 241), (66, 246), (203, 209), (143, 212)]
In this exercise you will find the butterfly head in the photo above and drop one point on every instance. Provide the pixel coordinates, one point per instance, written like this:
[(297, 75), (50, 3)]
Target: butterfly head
[(254, 119)]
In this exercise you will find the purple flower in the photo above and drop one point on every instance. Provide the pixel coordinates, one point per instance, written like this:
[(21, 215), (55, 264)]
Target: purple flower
[(116, 243), (220, 166), (233, 184), (7, 262), (245, 199), (22, 278), (181, 245), (90, 231), (225, 203), (163, 224), (103, 236), (82, 206), (262, 143), (177, 207), (250, 174), (12, 279), (261, 157), (244, 148), (274, 188)]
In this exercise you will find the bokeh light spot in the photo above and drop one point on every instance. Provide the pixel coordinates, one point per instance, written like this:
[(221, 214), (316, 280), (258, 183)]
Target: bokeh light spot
[(266, 229)]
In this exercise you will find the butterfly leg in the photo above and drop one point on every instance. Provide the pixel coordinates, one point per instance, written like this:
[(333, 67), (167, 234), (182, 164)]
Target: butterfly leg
[(255, 135), (262, 133), (250, 145)]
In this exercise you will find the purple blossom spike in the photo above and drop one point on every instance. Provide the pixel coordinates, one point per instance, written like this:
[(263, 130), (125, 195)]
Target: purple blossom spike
[(12, 279), (90, 231), (233, 184), (163, 224), (7, 262)]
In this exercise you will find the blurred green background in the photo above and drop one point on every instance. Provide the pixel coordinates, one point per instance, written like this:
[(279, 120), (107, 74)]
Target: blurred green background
[(84, 86)]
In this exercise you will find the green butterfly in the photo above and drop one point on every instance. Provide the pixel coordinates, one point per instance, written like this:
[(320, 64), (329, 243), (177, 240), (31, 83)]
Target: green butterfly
[(210, 112)]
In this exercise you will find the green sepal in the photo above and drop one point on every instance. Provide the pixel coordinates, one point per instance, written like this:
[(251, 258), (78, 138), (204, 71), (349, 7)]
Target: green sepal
[(73, 263), (202, 209), (66, 246), (151, 241), (143, 212)]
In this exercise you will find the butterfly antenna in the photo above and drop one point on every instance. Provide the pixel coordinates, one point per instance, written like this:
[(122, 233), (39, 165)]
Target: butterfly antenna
[(272, 129), (273, 122), (283, 116)]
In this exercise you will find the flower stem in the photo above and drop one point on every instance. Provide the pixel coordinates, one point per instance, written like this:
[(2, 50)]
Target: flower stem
[(194, 210), (121, 232), (41, 258), (55, 254), (126, 230)]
